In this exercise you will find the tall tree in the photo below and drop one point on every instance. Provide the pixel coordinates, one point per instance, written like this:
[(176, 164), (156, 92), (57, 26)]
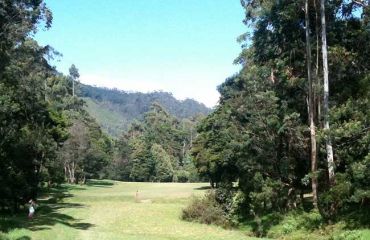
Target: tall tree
[(163, 169), (311, 100), (74, 74), (74, 150), (329, 147)]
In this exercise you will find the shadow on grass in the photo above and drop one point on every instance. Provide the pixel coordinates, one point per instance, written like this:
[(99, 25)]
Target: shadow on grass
[(203, 188), (48, 213), (99, 183)]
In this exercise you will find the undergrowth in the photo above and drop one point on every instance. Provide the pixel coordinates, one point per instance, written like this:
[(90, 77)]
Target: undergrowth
[(206, 210), (299, 224), (296, 224)]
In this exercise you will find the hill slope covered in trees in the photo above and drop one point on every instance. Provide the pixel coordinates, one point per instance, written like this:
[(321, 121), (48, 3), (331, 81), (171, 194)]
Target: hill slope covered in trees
[(115, 109)]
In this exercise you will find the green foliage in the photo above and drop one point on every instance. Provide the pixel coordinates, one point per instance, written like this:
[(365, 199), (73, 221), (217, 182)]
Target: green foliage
[(299, 224), (349, 235), (182, 176), (142, 163), (29, 131), (155, 149), (38, 111), (292, 223), (163, 167), (256, 143)]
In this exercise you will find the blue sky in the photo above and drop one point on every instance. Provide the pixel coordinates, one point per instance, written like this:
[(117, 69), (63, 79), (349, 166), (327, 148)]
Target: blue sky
[(182, 46)]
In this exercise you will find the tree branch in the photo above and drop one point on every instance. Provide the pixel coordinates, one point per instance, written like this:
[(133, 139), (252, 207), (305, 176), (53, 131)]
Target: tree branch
[(361, 3)]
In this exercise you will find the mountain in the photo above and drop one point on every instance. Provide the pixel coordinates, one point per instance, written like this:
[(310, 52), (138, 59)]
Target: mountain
[(115, 109)]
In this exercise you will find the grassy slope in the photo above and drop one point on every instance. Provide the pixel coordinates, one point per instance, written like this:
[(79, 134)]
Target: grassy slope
[(111, 122), (107, 210)]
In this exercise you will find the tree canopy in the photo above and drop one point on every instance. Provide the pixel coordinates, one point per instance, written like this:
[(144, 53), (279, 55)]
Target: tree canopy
[(259, 135)]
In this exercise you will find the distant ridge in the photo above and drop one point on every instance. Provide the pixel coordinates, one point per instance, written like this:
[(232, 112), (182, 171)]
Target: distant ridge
[(116, 109)]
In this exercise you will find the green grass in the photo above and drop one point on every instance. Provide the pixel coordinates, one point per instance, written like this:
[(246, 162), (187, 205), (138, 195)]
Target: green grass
[(108, 210)]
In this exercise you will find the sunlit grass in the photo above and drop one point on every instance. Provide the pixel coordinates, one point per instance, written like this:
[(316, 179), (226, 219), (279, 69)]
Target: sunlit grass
[(111, 210)]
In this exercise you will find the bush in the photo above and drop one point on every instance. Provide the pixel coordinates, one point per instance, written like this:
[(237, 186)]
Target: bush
[(349, 235), (182, 176), (311, 220), (336, 198), (294, 224), (206, 210), (3, 237)]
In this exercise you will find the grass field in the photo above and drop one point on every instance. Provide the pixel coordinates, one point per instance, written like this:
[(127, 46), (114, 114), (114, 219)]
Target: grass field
[(109, 210)]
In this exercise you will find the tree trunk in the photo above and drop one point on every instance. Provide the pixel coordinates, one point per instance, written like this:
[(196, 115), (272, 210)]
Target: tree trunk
[(191, 138), (212, 183), (73, 87), (317, 88), (183, 150), (73, 178), (65, 172), (69, 173), (45, 89), (83, 179), (329, 148), (311, 108)]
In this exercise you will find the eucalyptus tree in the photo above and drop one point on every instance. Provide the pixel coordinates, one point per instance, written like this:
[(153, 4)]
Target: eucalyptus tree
[(311, 104), (259, 137), (74, 74)]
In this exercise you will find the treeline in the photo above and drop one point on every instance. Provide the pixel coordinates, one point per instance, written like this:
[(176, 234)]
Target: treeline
[(271, 140), (156, 149), (46, 136)]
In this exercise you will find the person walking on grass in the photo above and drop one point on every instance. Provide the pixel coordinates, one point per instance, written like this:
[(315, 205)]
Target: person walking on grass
[(31, 209)]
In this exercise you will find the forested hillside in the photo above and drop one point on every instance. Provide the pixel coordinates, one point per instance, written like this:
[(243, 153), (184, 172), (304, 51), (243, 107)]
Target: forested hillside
[(115, 109)]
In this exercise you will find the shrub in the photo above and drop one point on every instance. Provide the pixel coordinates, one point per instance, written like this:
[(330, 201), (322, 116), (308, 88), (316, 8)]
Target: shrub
[(206, 210), (336, 198), (3, 237), (293, 223), (182, 176), (349, 235), (311, 220)]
